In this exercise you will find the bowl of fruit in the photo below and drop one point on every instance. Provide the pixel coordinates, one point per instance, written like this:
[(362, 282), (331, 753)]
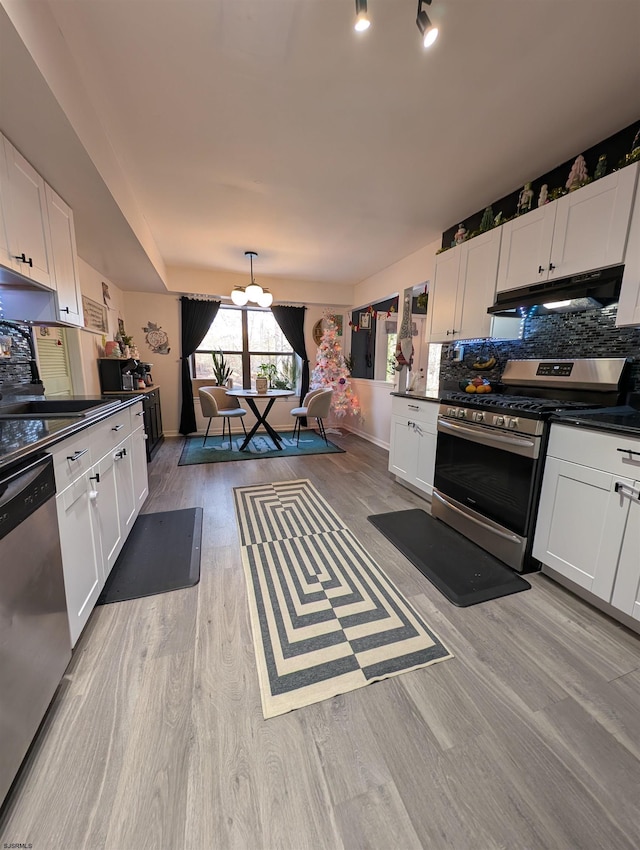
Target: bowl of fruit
[(476, 385)]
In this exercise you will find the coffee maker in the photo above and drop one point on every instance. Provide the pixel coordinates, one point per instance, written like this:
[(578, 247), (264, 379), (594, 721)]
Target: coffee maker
[(119, 374)]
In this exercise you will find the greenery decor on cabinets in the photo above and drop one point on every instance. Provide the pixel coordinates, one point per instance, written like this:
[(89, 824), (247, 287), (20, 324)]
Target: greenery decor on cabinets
[(634, 153), (221, 369), (488, 221), (601, 167)]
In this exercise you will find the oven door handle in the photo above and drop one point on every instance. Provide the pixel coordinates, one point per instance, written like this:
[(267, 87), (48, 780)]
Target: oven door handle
[(484, 435), (512, 538)]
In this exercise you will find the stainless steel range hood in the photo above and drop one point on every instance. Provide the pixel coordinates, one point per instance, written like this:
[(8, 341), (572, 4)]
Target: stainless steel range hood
[(24, 300), (588, 291)]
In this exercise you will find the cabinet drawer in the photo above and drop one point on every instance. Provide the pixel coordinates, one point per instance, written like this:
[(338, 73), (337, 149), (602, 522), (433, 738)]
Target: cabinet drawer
[(72, 458), (425, 412), (110, 432), (618, 454)]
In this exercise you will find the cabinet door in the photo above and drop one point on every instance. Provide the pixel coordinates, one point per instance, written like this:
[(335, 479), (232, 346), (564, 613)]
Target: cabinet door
[(26, 219), (592, 225), (82, 573), (105, 512), (123, 470), (629, 304), (626, 591), (5, 256), (426, 460), (526, 248), (64, 258), (443, 297), (139, 467), (477, 284), (581, 522)]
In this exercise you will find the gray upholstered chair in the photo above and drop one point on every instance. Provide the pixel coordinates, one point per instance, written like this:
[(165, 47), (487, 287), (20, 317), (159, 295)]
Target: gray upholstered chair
[(215, 402), (316, 405)]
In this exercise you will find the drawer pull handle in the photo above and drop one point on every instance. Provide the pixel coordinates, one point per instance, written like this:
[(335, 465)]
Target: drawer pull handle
[(628, 452), (627, 491), (77, 455), (117, 427), (413, 407)]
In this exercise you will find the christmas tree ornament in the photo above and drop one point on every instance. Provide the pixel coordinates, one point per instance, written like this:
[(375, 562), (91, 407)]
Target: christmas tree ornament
[(578, 175), (601, 167), (487, 222)]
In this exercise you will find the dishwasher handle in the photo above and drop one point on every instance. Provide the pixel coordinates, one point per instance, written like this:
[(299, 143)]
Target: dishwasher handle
[(23, 491)]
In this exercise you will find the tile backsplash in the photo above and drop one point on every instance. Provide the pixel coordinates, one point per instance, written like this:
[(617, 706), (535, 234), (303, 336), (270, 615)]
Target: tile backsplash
[(589, 334), (15, 369)]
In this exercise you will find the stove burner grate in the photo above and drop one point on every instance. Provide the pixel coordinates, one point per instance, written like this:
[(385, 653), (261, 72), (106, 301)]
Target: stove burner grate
[(514, 402)]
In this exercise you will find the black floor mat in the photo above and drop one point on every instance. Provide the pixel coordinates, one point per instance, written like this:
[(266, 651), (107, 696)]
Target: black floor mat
[(462, 571), (162, 553)]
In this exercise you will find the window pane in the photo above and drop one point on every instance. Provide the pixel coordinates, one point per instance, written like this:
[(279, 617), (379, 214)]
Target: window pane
[(204, 366), (285, 376), (225, 332), (265, 333)]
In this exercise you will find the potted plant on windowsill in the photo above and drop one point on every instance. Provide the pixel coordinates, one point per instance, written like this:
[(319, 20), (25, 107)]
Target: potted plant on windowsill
[(268, 371), (221, 370)]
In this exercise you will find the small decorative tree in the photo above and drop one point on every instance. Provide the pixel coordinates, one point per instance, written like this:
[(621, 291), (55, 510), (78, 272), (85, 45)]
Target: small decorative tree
[(487, 222), (331, 371), (578, 175)]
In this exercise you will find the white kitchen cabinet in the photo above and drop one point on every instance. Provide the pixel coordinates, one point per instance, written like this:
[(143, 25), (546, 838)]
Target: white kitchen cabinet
[(413, 442), (5, 256), (464, 286), (588, 520), (65, 275), (584, 230), (23, 198), (629, 304), (101, 488)]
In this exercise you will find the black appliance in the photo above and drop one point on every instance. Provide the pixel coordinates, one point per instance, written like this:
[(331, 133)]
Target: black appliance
[(118, 374), (490, 448)]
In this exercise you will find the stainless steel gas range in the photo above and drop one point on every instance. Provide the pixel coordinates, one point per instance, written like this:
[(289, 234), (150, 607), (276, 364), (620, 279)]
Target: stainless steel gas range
[(490, 448)]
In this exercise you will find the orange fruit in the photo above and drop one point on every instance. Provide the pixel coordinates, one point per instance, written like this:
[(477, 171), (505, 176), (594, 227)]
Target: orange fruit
[(470, 388)]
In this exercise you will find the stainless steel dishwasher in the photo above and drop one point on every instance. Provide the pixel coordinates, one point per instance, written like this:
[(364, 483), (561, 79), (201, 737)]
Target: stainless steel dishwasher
[(35, 646)]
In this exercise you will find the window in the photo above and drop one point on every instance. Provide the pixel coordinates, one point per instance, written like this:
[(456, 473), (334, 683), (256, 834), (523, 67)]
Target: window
[(248, 337)]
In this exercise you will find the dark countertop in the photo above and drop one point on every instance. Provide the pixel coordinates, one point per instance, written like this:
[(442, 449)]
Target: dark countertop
[(420, 396), (20, 438), (623, 419)]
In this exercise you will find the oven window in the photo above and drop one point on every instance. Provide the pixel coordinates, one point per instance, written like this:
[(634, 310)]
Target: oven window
[(494, 482)]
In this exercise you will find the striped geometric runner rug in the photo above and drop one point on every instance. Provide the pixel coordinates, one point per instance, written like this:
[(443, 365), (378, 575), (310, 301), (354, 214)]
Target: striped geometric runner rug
[(325, 617)]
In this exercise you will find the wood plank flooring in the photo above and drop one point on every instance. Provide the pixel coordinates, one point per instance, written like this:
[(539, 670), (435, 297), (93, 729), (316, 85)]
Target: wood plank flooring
[(529, 739)]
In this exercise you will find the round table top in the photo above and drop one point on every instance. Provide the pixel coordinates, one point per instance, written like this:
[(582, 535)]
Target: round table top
[(241, 393)]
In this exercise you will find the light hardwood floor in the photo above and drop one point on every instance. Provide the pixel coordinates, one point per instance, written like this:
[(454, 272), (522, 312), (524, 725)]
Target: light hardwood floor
[(528, 738)]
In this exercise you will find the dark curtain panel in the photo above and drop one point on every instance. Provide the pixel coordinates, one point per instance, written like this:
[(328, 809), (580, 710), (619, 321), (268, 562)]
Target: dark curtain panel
[(195, 322), (291, 322)]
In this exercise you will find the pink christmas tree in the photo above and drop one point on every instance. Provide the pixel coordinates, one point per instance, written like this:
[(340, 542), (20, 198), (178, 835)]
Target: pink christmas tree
[(578, 175), (331, 371)]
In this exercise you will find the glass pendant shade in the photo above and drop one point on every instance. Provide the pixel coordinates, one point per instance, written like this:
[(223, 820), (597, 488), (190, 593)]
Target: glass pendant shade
[(253, 291), (239, 296), (266, 299)]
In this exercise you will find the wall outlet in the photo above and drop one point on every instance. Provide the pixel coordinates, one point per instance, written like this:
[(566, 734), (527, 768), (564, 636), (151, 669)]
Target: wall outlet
[(457, 354)]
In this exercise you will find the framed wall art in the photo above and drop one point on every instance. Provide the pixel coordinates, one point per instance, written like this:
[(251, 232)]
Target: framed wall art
[(95, 316), (365, 321)]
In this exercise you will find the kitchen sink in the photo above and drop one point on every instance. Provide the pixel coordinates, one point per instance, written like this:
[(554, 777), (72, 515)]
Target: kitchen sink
[(58, 408)]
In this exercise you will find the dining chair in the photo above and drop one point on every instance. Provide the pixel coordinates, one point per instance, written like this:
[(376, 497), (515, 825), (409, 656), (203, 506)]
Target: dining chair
[(215, 402), (316, 405)]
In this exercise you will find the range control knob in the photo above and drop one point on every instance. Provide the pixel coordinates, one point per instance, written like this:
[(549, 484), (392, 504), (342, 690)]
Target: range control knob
[(498, 420), (451, 411), (478, 416), (460, 413), (512, 423)]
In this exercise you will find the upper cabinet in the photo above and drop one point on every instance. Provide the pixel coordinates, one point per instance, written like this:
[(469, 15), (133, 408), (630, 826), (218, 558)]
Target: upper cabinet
[(22, 193), (584, 230), (464, 286), (65, 258), (629, 304), (37, 240)]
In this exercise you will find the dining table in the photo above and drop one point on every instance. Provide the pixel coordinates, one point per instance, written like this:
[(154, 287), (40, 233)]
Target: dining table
[(251, 396)]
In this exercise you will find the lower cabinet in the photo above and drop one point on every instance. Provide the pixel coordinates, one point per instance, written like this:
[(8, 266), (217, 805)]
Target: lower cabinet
[(413, 442), (588, 527), (98, 508), (153, 421)]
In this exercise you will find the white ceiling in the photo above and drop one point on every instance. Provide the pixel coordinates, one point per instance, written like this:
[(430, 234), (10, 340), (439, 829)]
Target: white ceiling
[(271, 125)]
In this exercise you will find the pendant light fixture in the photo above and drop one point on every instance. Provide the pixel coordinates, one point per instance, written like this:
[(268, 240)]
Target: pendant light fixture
[(253, 292), (362, 21), (427, 30)]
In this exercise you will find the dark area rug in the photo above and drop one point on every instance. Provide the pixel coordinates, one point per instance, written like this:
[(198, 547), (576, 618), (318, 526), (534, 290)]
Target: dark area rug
[(261, 446), (462, 571), (162, 553)]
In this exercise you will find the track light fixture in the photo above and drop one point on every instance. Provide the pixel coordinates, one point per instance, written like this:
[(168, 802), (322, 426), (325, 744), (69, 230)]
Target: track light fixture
[(427, 30), (362, 21), (253, 292)]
